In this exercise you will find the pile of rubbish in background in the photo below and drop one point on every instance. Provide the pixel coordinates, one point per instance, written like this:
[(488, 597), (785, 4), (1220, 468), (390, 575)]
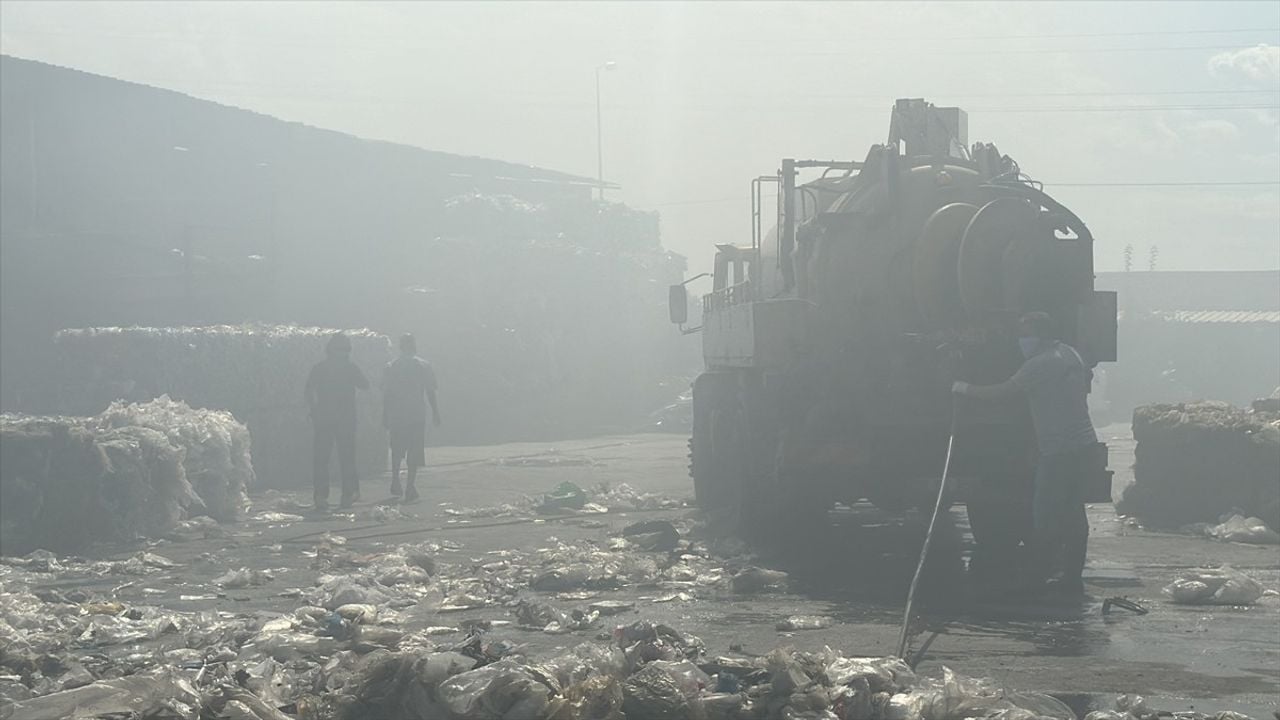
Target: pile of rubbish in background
[(1204, 462), (134, 471), (256, 372)]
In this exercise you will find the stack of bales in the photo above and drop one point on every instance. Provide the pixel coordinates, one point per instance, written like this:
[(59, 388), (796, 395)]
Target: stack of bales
[(256, 372), (66, 481), (1197, 461)]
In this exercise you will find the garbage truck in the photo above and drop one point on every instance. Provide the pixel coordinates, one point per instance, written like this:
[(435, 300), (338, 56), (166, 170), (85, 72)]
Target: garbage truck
[(832, 339)]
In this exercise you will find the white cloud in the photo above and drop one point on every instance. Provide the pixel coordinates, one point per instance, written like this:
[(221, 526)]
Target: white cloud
[(1212, 132), (1259, 64)]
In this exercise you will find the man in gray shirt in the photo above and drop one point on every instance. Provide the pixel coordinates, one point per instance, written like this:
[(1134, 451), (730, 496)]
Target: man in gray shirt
[(409, 385), (1056, 382)]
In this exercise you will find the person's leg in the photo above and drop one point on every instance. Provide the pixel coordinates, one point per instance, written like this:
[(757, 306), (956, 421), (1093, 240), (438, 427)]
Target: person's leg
[(415, 458), (397, 453), (1047, 514), (320, 451), (1076, 525), (346, 442)]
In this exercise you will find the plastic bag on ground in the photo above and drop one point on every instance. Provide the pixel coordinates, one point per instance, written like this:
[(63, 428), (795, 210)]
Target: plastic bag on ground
[(653, 694), (958, 697), (565, 496), (1223, 586), (1240, 529), (596, 698), (504, 689), (887, 674), (754, 580), (658, 535), (401, 685), (163, 693), (804, 622)]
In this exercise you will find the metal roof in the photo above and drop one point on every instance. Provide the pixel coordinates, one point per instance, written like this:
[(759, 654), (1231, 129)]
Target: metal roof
[(1270, 317)]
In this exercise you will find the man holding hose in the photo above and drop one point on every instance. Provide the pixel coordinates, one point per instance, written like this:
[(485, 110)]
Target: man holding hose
[(1056, 382)]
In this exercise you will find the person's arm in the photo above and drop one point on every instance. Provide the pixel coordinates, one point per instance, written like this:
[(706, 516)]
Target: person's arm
[(999, 391), (1028, 375)]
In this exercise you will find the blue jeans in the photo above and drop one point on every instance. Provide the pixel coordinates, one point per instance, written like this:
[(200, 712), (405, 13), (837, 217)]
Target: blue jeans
[(1061, 526)]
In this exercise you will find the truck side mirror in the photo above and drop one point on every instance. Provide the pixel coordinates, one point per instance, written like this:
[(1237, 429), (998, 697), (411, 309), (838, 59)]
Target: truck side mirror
[(678, 304)]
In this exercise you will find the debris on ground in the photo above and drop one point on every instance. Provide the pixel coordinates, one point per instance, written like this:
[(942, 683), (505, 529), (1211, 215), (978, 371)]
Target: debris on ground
[(755, 580), (565, 496), (1240, 529), (805, 622), (570, 499), (657, 535), (1134, 707), (1222, 586), (1195, 462)]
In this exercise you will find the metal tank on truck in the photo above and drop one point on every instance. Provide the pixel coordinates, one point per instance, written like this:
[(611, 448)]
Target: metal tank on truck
[(831, 341)]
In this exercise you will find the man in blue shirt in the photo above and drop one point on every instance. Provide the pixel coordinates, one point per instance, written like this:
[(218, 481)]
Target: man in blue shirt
[(1055, 381)]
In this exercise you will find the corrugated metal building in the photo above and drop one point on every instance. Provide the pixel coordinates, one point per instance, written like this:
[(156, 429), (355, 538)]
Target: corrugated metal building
[(1193, 335)]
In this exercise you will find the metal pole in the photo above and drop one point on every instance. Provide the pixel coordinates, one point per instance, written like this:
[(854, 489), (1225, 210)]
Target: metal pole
[(599, 140)]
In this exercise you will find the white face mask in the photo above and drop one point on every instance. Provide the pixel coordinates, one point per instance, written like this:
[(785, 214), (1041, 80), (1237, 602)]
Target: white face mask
[(1029, 346)]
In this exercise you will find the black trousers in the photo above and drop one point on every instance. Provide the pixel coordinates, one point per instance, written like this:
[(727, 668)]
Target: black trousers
[(342, 436), (1061, 525)]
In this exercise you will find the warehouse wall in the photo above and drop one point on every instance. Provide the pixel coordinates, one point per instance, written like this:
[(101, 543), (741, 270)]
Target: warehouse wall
[(123, 204)]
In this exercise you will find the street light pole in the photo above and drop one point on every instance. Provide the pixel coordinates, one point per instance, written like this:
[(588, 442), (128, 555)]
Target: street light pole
[(599, 131)]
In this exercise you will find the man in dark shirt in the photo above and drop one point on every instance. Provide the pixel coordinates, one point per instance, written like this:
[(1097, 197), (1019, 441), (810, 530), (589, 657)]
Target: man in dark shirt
[(331, 397), (408, 387), (1055, 381)]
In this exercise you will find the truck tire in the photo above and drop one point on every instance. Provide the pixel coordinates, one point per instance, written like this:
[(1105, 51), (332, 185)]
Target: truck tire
[(718, 421)]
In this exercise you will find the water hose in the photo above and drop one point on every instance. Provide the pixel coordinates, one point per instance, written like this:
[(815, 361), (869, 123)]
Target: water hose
[(928, 537)]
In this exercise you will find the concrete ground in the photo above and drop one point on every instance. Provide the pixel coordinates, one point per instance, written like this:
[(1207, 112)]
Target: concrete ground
[(1180, 657)]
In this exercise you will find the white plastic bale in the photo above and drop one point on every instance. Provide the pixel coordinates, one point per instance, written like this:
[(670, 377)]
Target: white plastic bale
[(216, 446)]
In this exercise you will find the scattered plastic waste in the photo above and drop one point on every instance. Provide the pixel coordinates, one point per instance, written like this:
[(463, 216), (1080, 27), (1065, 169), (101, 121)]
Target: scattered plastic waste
[(755, 580), (1240, 529), (243, 578), (371, 636), (657, 535), (805, 622), (565, 496), (1223, 586)]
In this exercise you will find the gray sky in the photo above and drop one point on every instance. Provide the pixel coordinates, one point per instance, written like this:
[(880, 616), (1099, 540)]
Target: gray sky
[(706, 96)]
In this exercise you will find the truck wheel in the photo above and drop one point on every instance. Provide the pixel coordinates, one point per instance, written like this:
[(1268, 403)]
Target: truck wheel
[(717, 442), (777, 512)]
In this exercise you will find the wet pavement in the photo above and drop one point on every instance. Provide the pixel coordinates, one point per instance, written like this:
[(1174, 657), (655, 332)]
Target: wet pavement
[(1181, 657)]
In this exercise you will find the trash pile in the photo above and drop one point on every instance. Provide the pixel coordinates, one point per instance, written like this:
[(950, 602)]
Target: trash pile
[(133, 471), (365, 639), (256, 372), (350, 653), (1195, 462)]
